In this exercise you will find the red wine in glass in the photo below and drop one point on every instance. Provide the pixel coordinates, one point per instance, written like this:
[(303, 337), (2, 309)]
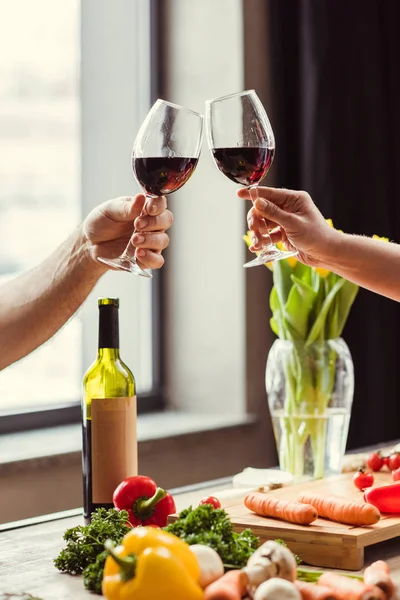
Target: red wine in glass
[(242, 143), (245, 165), (164, 174), (164, 156)]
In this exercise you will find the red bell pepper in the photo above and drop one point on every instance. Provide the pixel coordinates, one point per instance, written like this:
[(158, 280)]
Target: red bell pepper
[(145, 502), (386, 498)]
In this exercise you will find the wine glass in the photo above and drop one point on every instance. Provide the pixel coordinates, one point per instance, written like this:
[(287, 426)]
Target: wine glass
[(242, 143), (165, 154)]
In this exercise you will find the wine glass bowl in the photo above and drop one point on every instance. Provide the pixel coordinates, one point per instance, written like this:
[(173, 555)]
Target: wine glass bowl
[(164, 156), (242, 144)]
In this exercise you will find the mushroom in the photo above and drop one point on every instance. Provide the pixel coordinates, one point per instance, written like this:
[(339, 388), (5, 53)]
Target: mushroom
[(210, 563), (268, 561), (277, 589)]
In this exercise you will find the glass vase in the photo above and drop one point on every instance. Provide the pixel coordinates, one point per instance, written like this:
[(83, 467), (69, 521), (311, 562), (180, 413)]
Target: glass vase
[(310, 394)]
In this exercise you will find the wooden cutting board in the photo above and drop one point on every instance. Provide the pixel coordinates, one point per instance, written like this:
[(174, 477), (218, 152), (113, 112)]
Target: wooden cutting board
[(323, 543)]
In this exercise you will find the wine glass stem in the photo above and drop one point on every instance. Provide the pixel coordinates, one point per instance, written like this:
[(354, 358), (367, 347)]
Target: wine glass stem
[(266, 239)]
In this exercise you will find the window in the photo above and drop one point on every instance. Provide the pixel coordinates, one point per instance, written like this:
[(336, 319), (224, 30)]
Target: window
[(74, 87)]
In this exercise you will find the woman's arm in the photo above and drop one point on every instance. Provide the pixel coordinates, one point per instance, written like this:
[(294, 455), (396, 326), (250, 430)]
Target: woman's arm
[(371, 263)]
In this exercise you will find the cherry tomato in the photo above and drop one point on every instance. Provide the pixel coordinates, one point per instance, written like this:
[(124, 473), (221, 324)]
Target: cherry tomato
[(396, 475), (375, 461), (385, 461), (211, 500), (394, 461), (363, 480)]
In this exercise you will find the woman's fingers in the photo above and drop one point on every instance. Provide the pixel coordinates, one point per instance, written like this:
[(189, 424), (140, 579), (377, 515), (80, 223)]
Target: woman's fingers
[(273, 237), (159, 222), (279, 196), (259, 227), (258, 223), (151, 241), (277, 235), (282, 207)]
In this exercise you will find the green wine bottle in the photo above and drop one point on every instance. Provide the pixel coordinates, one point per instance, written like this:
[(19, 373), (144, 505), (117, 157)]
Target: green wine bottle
[(108, 416)]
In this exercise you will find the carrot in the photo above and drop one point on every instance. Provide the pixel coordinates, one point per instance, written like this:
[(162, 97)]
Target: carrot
[(350, 589), (269, 506), (310, 591), (342, 510), (378, 574), (231, 586)]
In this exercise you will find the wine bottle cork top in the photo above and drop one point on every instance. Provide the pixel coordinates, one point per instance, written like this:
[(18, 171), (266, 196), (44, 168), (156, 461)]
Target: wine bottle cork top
[(108, 301)]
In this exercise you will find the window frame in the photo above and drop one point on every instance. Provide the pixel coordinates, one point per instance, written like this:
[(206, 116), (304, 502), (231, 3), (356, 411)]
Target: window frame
[(154, 400)]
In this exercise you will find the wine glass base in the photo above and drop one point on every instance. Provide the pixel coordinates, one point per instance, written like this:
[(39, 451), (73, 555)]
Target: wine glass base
[(125, 264), (270, 254)]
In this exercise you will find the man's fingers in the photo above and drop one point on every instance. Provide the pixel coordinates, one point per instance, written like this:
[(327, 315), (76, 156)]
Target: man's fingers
[(148, 259), (152, 241), (158, 223), (125, 208), (156, 206)]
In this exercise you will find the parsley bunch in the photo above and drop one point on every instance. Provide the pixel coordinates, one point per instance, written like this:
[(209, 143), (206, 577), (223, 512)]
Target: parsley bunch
[(84, 550), (212, 527)]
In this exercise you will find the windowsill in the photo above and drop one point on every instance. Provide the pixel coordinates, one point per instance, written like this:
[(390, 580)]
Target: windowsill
[(62, 445)]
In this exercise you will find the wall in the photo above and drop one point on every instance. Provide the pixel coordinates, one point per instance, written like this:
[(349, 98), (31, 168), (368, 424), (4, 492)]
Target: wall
[(202, 58)]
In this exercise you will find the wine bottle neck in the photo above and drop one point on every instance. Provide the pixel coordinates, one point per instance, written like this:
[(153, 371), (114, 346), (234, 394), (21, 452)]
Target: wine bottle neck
[(108, 354), (108, 327)]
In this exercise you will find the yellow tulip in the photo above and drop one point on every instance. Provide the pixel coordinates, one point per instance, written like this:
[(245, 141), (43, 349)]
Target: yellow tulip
[(377, 237), (247, 239), (322, 272)]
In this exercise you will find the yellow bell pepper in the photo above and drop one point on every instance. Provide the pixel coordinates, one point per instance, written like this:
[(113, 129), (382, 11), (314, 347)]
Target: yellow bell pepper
[(151, 564)]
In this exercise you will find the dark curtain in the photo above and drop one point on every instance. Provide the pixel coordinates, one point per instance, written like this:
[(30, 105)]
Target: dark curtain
[(335, 81)]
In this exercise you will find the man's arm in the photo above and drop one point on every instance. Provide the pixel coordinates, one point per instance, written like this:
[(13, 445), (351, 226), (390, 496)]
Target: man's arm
[(34, 306), (38, 303)]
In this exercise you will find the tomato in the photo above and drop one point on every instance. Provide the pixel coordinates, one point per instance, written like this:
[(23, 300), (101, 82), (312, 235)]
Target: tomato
[(363, 480), (394, 461), (385, 460), (211, 500), (375, 461), (396, 475)]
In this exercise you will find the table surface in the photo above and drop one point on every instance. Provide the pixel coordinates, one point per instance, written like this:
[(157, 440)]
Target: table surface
[(27, 550)]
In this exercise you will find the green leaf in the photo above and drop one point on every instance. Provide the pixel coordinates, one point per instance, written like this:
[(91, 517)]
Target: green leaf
[(319, 324), (282, 282), (333, 320), (292, 333), (274, 326), (274, 300), (281, 325), (277, 322), (298, 306), (302, 272), (315, 280), (345, 299)]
